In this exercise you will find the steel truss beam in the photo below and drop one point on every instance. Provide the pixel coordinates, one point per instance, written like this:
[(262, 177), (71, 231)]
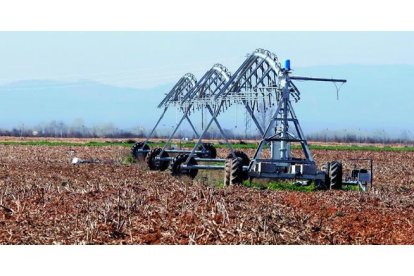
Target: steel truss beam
[(212, 81), (180, 89), (257, 75)]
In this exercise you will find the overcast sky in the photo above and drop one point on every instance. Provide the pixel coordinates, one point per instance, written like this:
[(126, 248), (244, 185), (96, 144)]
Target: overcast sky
[(145, 59)]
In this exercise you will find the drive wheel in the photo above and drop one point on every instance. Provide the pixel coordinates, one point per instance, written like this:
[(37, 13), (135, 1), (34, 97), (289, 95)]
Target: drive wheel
[(245, 161), (136, 153), (156, 164), (209, 151), (227, 172), (175, 166), (335, 175), (233, 172)]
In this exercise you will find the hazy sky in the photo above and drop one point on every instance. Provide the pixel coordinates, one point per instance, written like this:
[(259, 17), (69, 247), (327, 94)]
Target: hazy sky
[(58, 68), (145, 59)]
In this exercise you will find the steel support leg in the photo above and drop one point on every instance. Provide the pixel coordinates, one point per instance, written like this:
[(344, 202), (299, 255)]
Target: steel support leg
[(221, 130), (175, 130), (192, 153), (153, 129), (305, 147), (250, 111), (269, 127)]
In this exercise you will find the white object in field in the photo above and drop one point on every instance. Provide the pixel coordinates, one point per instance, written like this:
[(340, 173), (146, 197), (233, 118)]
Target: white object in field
[(75, 160)]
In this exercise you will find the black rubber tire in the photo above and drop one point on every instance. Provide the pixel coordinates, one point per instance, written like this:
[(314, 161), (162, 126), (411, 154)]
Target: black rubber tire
[(227, 171), (139, 155), (236, 175), (335, 175), (156, 165), (210, 151), (242, 155), (333, 180), (325, 168), (245, 161), (175, 166), (233, 171)]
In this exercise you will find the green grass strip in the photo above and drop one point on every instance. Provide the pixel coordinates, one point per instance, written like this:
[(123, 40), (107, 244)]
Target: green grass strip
[(190, 145)]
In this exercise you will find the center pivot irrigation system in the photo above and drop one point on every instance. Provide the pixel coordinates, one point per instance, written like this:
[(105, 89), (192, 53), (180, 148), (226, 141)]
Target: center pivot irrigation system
[(259, 80)]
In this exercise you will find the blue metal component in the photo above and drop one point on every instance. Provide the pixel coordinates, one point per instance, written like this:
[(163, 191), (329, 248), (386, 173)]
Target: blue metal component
[(287, 64)]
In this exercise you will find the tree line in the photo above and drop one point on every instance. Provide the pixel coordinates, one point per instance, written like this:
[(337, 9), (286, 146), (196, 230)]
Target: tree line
[(78, 129)]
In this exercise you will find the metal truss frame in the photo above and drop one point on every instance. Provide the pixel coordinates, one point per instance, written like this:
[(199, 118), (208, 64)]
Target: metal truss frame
[(173, 98), (199, 97), (255, 81), (262, 73)]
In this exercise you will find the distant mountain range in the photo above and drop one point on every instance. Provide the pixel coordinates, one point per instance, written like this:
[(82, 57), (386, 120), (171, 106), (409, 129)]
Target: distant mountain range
[(379, 97), (32, 102)]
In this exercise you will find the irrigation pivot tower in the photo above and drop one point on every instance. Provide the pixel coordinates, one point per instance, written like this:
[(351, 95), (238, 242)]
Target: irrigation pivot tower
[(283, 130), (260, 79)]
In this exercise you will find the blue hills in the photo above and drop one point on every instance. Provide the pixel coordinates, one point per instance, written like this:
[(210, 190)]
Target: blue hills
[(35, 101)]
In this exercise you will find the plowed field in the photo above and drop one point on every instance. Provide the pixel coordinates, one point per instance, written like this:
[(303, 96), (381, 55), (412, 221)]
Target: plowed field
[(46, 200)]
